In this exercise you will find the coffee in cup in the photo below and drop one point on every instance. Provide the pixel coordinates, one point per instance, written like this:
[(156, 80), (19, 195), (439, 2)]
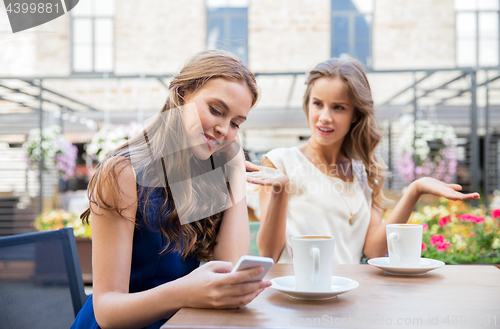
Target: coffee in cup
[(404, 242), (313, 262)]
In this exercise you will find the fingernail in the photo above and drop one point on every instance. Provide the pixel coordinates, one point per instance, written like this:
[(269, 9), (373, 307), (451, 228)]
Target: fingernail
[(268, 283), (260, 290)]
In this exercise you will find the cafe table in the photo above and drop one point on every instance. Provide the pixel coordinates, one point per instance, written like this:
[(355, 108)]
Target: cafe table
[(453, 296)]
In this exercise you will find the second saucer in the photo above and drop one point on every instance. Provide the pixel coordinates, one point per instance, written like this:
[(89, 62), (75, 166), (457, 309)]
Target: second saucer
[(426, 265), (340, 285)]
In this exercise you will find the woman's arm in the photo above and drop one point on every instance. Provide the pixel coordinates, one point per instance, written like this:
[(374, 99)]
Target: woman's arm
[(273, 195), (233, 239), (112, 238), (376, 242), (115, 307)]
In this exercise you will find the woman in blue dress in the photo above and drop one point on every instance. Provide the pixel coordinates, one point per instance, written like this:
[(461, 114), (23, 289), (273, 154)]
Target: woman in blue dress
[(171, 197)]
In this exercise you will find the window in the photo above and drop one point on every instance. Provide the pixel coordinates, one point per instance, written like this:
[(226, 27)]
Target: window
[(92, 36), (351, 29), (227, 26), (477, 32)]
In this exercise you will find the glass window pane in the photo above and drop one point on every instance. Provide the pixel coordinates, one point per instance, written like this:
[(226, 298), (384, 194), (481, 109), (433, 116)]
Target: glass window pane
[(466, 52), (104, 58), (465, 5), (238, 37), (82, 30), (238, 11), (362, 52), (238, 30), (488, 52), (488, 24), (215, 33), (216, 11), (340, 48), (82, 8), (342, 5), (340, 27), (82, 58), (362, 28), (104, 30), (104, 7), (466, 25), (488, 4), (363, 6)]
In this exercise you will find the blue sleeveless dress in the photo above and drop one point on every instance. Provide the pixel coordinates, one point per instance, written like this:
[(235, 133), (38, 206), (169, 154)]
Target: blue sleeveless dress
[(149, 268)]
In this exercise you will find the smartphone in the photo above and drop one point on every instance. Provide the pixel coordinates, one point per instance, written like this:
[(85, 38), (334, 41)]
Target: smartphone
[(248, 261)]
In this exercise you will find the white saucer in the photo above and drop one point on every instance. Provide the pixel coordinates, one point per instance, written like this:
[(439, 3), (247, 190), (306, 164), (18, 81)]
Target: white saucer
[(286, 285), (426, 265)]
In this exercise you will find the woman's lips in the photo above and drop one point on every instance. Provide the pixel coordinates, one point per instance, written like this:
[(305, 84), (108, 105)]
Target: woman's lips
[(211, 142), (324, 133)]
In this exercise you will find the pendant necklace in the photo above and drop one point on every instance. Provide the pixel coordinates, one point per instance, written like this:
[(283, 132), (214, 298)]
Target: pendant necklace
[(351, 218)]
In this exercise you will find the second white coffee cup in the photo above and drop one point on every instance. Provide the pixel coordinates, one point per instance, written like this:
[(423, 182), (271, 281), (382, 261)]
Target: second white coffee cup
[(404, 242), (313, 262)]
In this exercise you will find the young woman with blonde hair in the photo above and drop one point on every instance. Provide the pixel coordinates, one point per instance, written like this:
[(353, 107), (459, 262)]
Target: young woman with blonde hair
[(333, 184), (152, 222)]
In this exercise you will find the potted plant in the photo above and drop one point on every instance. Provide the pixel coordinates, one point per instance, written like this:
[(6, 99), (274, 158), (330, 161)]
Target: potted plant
[(56, 219), (427, 150)]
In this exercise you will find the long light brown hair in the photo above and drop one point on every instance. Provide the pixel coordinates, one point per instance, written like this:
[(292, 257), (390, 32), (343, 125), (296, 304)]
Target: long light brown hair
[(363, 136), (146, 152)]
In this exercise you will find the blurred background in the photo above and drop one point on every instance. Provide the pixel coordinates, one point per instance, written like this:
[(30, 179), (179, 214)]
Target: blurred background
[(74, 88)]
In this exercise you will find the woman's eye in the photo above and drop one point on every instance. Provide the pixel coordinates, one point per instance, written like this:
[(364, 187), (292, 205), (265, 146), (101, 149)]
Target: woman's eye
[(235, 125), (214, 111), (317, 103), (339, 108)]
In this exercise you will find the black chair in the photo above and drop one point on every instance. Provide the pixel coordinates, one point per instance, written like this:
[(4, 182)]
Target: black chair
[(40, 280)]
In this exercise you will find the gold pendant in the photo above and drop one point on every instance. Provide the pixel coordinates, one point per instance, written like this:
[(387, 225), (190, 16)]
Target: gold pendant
[(351, 219)]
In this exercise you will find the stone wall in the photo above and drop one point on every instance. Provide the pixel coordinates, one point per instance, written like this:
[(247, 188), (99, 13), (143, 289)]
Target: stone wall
[(413, 34)]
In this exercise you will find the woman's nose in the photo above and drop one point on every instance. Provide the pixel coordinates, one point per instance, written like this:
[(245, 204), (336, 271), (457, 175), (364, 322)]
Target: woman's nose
[(222, 129), (325, 117)]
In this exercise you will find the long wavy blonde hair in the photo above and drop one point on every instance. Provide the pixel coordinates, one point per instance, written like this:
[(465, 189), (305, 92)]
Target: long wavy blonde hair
[(148, 151), (363, 136)]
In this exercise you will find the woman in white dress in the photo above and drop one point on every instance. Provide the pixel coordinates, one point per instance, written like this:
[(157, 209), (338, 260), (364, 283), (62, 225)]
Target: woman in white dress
[(333, 184)]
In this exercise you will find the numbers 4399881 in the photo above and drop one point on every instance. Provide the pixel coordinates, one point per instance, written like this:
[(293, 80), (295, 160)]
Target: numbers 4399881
[(40, 8)]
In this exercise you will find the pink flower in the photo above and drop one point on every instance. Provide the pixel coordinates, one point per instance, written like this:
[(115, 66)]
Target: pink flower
[(425, 226), (478, 219), (424, 247), (437, 239), (444, 220), (465, 218), (472, 234), (496, 213), (442, 246)]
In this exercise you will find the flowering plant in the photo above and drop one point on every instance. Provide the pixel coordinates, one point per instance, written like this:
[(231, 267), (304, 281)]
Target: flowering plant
[(435, 149), (57, 152), (457, 233), (110, 137), (56, 219)]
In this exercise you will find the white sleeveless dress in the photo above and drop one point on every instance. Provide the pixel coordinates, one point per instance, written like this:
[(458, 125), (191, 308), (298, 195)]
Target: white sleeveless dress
[(316, 207)]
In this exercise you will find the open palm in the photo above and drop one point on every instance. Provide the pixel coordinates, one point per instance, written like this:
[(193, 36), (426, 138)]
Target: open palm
[(428, 185), (265, 176)]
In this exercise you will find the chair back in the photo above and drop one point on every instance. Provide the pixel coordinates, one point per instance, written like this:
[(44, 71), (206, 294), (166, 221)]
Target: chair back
[(41, 282)]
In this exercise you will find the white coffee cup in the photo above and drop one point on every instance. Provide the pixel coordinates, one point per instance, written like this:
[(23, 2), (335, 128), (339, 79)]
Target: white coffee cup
[(404, 242), (313, 262)]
